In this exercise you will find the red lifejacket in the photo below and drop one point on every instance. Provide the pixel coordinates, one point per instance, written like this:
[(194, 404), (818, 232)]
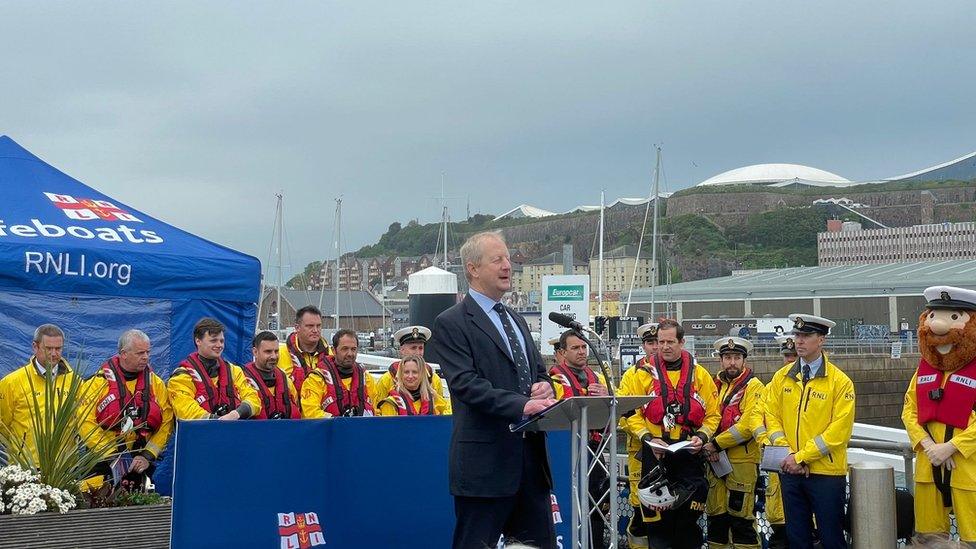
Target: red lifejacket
[(396, 366), (732, 403), (140, 405), (573, 385), (958, 395), (207, 396), (340, 401), (300, 368), (690, 410), (277, 405), (404, 404)]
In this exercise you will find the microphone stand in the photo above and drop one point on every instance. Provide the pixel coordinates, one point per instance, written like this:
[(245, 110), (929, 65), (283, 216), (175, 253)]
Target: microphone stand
[(608, 440)]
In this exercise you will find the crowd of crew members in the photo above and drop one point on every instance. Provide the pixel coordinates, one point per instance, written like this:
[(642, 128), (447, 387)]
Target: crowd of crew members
[(728, 416)]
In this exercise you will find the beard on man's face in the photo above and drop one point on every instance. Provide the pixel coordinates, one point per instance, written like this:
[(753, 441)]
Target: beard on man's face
[(961, 345)]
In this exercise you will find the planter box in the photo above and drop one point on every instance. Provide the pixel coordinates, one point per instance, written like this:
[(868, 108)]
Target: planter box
[(145, 526)]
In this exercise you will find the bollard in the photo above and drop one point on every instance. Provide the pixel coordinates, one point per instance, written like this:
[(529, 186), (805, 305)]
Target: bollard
[(873, 515)]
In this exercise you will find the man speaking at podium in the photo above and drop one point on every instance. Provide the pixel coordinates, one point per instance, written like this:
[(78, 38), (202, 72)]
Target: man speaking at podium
[(500, 480)]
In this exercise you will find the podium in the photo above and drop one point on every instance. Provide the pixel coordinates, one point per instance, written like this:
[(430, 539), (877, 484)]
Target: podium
[(580, 415)]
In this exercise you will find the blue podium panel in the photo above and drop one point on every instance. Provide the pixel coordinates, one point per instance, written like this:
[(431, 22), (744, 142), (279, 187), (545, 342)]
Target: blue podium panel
[(391, 473), (250, 484), (344, 482)]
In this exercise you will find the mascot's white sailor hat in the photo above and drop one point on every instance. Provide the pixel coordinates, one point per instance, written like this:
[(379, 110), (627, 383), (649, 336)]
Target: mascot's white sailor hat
[(948, 297), (733, 345), (809, 324), (555, 343), (411, 334), (786, 344), (647, 332)]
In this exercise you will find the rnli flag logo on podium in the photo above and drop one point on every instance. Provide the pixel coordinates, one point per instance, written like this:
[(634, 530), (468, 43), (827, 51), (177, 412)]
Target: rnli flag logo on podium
[(300, 530), (86, 209), (556, 516)]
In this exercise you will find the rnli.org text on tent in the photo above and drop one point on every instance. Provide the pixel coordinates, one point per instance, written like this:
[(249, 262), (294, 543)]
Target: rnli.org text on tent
[(75, 264)]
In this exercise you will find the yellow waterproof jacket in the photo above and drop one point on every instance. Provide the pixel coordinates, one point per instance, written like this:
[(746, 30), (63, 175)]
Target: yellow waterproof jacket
[(637, 425), (183, 392), (964, 475), (315, 389), (386, 382), (737, 440), (387, 407), (562, 386), (17, 402), (815, 420), (760, 430), (632, 384), (311, 359), (95, 437)]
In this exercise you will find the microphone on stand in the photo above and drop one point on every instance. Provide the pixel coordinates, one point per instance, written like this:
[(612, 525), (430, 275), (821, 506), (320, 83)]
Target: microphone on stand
[(565, 321)]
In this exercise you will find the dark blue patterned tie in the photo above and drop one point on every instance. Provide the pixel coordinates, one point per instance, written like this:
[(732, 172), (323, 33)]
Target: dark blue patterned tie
[(806, 373), (518, 354)]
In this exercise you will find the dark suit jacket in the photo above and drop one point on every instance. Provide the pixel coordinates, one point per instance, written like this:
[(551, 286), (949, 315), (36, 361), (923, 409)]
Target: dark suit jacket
[(486, 457)]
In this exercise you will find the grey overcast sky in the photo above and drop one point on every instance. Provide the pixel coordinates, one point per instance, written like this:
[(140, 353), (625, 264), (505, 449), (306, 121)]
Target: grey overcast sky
[(198, 112)]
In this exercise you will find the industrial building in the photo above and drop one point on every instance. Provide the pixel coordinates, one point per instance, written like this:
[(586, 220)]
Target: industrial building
[(881, 294)]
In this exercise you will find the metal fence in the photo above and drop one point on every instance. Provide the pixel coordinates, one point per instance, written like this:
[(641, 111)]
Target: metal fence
[(835, 346)]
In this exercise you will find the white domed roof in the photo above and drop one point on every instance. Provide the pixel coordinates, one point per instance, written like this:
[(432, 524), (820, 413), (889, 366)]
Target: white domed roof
[(764, 174)]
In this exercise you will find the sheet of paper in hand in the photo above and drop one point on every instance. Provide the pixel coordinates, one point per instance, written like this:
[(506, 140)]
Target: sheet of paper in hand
[(772, 458)]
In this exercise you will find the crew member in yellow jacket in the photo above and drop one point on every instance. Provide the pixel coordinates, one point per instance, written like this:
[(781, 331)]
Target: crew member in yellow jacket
[(411, 341), (205, 386), (810, 409), (304, 350), (774, 493), (412, 394), (633, 383), (19, 388), (731, 497), (684, 408), (939, 415), (344, 387), (126, 404)]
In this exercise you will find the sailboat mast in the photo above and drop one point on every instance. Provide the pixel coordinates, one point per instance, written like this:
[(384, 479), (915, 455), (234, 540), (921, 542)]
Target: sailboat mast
[(279, 214), (338, 257), (657, 182), (599, 306)]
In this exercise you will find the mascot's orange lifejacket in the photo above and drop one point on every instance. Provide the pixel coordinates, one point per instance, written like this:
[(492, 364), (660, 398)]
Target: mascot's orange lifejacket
[(680, 400), (950, 405), (732, 403), (140, 406)]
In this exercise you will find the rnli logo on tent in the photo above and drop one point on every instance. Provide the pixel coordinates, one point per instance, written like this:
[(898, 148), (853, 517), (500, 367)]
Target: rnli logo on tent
[(300, 530), (86, 209)]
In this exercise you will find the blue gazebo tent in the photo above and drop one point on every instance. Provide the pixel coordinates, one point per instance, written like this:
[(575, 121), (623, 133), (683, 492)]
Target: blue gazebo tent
[(96, 267)]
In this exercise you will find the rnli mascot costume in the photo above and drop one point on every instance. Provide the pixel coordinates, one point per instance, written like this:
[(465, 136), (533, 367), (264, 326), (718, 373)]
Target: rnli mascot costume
[(939, 413)]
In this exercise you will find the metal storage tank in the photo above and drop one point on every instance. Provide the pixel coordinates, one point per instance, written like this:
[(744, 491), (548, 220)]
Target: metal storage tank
[(431, 292)]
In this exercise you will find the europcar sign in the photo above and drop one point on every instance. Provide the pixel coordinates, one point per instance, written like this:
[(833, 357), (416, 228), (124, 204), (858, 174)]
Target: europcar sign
[(573, 292), (566, 294)]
